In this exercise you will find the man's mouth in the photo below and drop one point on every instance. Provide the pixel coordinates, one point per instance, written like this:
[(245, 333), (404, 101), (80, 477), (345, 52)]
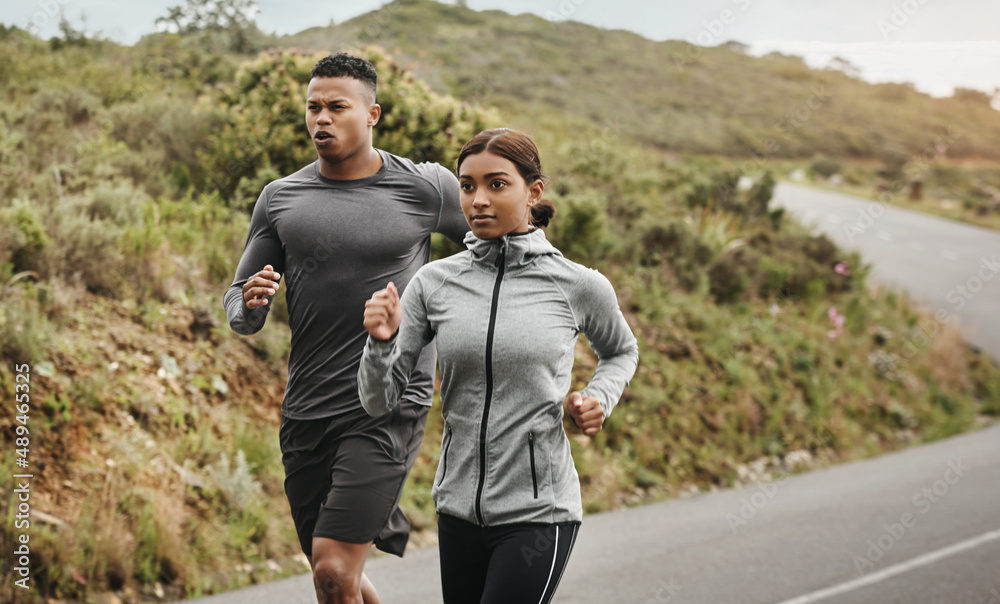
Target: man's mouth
[(322, 136)]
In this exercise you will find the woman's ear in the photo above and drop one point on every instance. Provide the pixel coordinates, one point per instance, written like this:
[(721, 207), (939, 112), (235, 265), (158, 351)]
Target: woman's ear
[(535, 191)]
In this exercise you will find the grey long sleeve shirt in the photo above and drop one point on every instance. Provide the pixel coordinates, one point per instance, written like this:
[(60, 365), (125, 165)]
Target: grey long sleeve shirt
[(506, 315), (335, 243)]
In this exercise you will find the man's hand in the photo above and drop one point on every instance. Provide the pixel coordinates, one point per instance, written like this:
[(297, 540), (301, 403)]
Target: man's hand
[(383, 313), (586, 412), (264, 283)]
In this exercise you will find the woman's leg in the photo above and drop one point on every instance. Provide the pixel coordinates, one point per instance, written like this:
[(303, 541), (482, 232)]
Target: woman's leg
[(465, 558), (527, 563)]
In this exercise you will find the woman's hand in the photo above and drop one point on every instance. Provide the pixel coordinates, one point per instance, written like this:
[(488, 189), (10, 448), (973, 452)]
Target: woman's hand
[(383, 313), (587, 413)]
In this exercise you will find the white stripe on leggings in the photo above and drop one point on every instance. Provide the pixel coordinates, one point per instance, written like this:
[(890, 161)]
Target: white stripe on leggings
[(569, 550), (555, 555)]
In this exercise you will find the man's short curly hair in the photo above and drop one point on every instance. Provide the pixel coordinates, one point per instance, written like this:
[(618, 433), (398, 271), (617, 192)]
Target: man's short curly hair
[(346, 65)]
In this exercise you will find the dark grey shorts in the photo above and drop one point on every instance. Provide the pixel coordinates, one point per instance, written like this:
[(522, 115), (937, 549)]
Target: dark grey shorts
[(344, 475)]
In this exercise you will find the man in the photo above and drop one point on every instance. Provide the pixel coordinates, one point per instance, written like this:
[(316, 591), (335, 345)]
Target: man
[(338, 230)]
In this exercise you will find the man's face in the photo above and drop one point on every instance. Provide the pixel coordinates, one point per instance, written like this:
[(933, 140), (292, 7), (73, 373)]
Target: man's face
[(339, 116)]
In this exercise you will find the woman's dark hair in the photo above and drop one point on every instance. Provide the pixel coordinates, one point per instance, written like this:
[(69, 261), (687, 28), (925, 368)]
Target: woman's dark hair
[(521, 151)]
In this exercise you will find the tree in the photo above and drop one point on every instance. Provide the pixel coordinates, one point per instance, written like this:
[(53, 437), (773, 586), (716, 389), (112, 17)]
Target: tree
[(232, 20)]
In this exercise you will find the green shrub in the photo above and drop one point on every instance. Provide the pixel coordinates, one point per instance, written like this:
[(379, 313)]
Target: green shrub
[(25, 329), (22, 236), (578, 227), (826, 167), (676, 246)]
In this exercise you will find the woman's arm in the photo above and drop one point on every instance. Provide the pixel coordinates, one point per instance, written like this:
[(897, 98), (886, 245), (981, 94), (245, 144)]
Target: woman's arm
[(610, 337), (386, 364)]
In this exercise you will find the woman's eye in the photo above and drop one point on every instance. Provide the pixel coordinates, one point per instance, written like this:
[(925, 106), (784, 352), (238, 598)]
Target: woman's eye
[(496, 184), (466, 186)]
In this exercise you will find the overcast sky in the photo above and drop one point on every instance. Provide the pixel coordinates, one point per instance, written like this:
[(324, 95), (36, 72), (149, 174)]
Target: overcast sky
[(936, 44)]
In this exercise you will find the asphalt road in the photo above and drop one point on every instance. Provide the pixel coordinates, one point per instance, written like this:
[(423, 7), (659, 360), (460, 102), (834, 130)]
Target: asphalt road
[(946, 265), (889, 521), (917, 526)]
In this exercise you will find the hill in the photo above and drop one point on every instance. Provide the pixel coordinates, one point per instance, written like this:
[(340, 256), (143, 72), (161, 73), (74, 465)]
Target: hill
[(125, 178), (672, 95)]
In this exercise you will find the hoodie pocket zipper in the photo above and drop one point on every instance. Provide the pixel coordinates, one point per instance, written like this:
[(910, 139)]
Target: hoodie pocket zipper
[(531, 451), (444, 457)]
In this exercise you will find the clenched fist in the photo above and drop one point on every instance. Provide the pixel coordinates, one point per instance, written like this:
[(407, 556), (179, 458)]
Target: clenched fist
[(264, 283), (383, 313), (587, 413)]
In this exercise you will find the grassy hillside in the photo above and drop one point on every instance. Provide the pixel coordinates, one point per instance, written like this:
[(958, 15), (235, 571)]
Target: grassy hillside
[(671, 95), (125, 178)]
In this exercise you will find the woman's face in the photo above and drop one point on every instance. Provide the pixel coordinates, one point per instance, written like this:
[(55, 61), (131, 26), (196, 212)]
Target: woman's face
[(495, 198)]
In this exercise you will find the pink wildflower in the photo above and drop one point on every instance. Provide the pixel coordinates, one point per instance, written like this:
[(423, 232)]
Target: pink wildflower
[(837, 320)]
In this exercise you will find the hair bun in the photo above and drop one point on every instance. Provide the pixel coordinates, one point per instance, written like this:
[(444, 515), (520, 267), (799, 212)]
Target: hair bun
[(542, 212)]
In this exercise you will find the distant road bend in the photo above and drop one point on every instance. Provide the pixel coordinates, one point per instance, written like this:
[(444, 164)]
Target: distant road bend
[(947, 265), (915, 526)]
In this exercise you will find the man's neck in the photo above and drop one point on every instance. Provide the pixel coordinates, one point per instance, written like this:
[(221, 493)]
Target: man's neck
[(361, 165)]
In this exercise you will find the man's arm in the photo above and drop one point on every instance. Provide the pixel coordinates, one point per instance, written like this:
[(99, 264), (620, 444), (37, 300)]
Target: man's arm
[(451, 220), (262, 250)]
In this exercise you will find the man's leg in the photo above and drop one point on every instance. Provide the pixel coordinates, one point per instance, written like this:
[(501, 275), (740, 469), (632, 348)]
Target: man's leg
[(338, 572), (367, 473), (368, 593)]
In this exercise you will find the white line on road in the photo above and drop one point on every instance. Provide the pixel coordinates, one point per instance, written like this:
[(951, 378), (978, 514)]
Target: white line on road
[(896, 569)]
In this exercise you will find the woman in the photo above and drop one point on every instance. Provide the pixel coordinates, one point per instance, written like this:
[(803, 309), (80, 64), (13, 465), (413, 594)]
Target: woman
[(506, 315)]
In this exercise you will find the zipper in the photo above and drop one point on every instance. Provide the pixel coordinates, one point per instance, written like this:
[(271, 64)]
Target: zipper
[(531, 451), (444, 458), (501, 264)]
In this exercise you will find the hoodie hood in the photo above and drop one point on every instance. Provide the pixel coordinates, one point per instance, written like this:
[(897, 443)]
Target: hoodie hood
[(521, 249)]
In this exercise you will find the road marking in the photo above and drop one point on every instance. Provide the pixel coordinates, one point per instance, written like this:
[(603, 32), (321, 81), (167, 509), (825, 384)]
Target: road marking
[(896, 569), (950, 255), (884, 236)]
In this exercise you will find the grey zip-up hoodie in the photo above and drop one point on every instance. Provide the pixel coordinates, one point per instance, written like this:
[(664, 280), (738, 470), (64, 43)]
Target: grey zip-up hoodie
[(506, 315)]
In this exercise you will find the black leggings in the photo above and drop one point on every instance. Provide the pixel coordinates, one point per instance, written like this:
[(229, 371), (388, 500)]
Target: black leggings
[(515, 563)]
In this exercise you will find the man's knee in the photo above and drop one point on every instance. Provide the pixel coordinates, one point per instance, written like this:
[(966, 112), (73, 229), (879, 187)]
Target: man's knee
[(335, 579)]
